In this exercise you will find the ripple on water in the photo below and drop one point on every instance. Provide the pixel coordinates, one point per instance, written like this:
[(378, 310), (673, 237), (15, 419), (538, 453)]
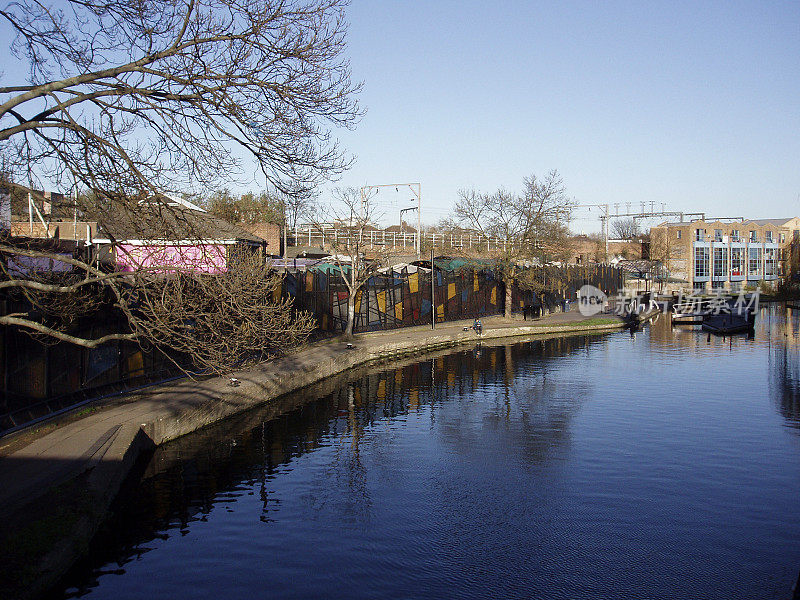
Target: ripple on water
[(663, 465)]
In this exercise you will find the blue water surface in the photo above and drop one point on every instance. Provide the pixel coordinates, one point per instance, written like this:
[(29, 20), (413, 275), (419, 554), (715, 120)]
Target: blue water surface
[(664, 464)]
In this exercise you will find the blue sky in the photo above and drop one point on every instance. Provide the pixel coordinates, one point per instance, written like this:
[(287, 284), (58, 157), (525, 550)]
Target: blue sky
[(691, 104), (694, 105)]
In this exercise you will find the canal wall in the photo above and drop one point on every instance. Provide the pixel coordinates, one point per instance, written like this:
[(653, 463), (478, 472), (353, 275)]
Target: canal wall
[(57, 483), (206, 402)]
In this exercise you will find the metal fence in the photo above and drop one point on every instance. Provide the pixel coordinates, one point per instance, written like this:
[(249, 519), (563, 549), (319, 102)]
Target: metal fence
[(398, 299), (41, 379), (561, 284), (403, 298)]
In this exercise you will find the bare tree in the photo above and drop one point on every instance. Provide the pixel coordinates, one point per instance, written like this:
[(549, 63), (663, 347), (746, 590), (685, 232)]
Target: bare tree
[(353, 214), (129, 99), (533, 223), (666, 252), (625, 229), (296, 205), (220, 321)]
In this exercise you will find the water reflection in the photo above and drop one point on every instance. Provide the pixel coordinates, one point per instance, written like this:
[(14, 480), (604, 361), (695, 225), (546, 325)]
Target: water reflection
[(520, 404), (784, 358), (777, 331)]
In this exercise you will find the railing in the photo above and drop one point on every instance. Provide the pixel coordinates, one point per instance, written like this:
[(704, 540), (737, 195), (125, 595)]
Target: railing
[(329, 237), (732, 239)]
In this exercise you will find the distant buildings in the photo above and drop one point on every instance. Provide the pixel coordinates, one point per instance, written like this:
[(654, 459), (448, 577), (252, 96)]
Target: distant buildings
[(591, 250), (726, 254), (162, 232)]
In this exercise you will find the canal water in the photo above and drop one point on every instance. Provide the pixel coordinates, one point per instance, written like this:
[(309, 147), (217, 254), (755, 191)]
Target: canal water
[(663, 464)]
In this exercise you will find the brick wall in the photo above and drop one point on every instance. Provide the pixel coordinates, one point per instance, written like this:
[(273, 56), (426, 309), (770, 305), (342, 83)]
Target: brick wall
[(269, 232), (66, 229)]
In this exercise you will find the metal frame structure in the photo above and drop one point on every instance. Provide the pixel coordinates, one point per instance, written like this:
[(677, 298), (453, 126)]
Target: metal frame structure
[(366, 192), (606, 216)]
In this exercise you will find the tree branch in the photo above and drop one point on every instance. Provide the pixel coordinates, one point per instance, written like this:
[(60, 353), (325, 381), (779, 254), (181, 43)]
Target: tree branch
[(65, 337)]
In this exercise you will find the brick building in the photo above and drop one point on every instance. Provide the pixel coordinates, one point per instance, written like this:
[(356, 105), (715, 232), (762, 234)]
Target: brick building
[(65, 230), (592, 250), (725, 254)]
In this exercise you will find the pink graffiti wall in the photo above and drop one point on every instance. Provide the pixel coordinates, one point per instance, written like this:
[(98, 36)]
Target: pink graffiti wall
[(203, 258)]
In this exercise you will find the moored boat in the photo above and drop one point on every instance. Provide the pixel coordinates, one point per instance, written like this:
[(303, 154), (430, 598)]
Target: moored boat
[(718, 314), (728, 323)]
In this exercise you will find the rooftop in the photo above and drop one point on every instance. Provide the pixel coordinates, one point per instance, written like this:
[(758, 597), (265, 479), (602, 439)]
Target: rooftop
[(159, 221), (760, 222)]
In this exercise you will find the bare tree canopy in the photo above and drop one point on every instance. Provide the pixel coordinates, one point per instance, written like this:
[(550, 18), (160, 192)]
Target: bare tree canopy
[(666, 251), (133, 98), (236, 319), (535, 222), (355, 212), (625, 229), (129, 101), (221, 322)]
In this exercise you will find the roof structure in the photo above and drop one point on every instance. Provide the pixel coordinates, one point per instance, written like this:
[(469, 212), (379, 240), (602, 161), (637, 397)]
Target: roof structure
[(776, 222), (638, 267), (406, 228), (170, 222)]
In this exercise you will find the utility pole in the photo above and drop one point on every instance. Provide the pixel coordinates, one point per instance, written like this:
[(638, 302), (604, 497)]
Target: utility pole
[(433, 293), (604, 219), (403, 231), (75, 214), (285, 236)]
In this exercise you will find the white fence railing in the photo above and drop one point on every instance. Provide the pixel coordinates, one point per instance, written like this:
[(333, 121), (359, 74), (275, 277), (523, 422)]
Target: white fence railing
[(327, 237)]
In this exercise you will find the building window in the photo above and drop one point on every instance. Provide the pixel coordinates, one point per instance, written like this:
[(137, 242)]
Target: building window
[(717, 285), (736, 286), (768, 237), (720, 262), (699, 235), (783, 238), (718, 235), (754, 267), (701, 262), (699, 286), (737, 262), (679, 234), (735, 235), (770, 263), (753, 236)]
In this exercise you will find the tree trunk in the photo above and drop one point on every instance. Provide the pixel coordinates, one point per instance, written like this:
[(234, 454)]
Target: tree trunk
[(508, 282), (351, 314)]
